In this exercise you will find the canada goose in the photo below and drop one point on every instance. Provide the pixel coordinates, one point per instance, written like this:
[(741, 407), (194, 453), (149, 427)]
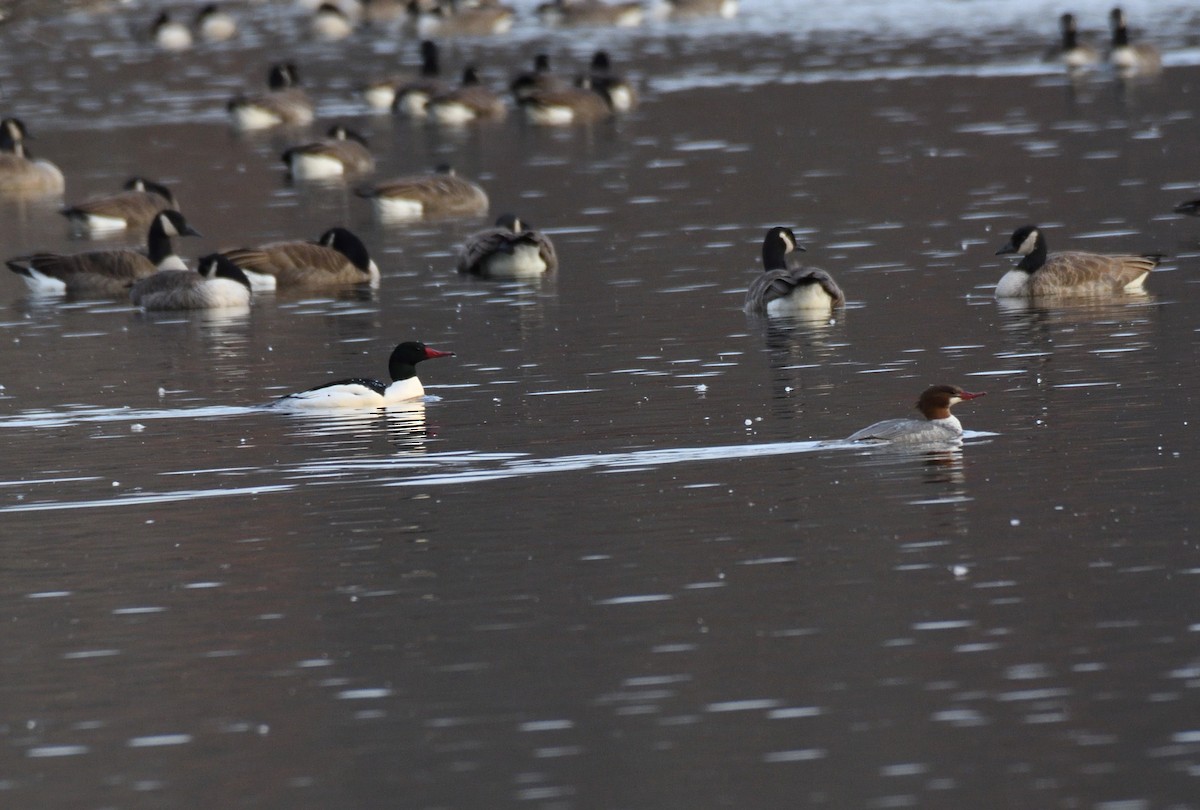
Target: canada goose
[(105, 273), (1191, 208), (381, 94), (169, 34), (450, 18), (342, 152), (441, 194), (781, 290), (361, 392), (1068, 274), (565, 106), (691, 9), (601, 78), (1141, 58), (510, 250), (217, 283), (285, 103), (470, 101), (591, 12), (337, 259), (1071, 53), (213, 24), (330, 23), (20, 172), (540, 78), (133, 207)]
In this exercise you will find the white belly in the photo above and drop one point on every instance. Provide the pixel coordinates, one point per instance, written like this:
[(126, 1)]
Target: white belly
[(316, 167), (250, 117), (397, 209), (451, 113), (549, 115)]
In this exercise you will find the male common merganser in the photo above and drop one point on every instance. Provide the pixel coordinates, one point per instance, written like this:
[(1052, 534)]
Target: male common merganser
[(20, 172), (938, 427), (1071, 53), (135, 206), (105, 273), (285, 103), (1073, 273), (367, 393), (342, 152), (510, 250), (1141, 58), (781, 290), (217, 284), (441, 194), (336, 259)]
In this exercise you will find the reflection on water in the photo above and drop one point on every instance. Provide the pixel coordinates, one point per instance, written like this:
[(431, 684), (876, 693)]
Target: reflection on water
[(619, 557)]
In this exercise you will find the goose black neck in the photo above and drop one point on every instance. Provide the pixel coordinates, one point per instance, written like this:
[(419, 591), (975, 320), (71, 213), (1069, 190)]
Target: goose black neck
[(158, 244), (774, 254), (1036, 258), (1120, 36)]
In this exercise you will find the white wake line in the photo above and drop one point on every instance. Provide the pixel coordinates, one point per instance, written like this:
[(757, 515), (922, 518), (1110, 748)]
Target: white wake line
[(510, 467)]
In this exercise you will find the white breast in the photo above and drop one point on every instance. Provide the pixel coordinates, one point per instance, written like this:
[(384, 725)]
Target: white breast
[(251, 116), (451, 113), (220, 293), (397, 209), (316, 167), (524, 262), (1013, 284)]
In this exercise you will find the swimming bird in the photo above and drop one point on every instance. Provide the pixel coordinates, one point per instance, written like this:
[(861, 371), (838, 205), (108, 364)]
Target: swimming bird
[(541, 77), (217, 283), (591, 12), (512, 249), (451, 18), (564, 106), (1128, 59), (213, 24), (105, 273), (1070, 274), (938, 427), (616, 90), (21, 173), (169, 34), (330, 23), (441, 194), (285, 102), (382, 94), (368, 393), (1074, 55), (691, 9), (336, 259), (135, 206), (468, 102), (781, 290), (342, 152)]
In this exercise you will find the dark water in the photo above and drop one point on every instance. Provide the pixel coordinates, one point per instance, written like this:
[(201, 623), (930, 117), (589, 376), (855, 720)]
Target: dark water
[(607, 564)]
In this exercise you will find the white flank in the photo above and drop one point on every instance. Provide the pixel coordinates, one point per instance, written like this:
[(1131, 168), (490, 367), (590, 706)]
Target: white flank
[(260, 282), (316, 167), (249, 116), (549, 116), (397, 209), (450, 113), (42, 284)]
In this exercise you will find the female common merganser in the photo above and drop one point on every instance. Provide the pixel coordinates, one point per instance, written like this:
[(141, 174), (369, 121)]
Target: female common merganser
[(781, 290), (1128, 60), (217, 284), (20, 172), (135, 206), (285, 103), (938, 427), (105, 273), (366, 393), (342, 152), (1074, 273), (510, 250), (441, 194), (336, 259)]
